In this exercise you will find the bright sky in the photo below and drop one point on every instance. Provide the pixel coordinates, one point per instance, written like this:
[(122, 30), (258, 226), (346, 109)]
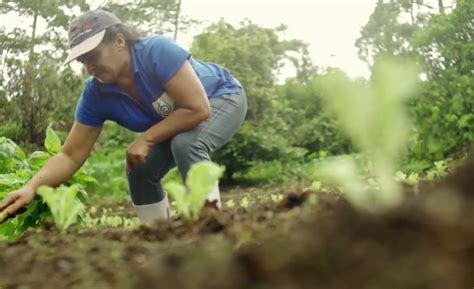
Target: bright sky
[(331, 27)]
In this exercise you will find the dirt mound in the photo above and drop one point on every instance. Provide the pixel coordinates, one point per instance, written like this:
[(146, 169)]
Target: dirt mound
[(427, 242)]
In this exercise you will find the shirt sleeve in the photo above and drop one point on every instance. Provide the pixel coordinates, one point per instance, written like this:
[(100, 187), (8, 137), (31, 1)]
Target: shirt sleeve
[(86, 109), (168, 57)]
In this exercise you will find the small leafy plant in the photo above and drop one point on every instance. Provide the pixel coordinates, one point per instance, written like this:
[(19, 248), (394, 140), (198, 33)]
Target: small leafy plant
[(16, 169), (230, 204), (191, 195), (65, 207), (374, 117), (276, 197), (246, 201), (439, 170)]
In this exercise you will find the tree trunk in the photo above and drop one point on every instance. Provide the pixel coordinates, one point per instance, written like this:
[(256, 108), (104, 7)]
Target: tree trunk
[(176, 20), (441, 6), (33, 33)]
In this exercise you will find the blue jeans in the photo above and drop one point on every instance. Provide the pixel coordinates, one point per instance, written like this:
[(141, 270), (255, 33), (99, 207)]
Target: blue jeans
[(184, 149)]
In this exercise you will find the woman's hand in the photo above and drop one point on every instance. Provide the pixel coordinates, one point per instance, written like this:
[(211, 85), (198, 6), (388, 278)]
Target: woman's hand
[(15, 201), (138, 152)]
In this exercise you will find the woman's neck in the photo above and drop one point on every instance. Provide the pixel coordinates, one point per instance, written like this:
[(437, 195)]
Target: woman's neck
[(125, 76)]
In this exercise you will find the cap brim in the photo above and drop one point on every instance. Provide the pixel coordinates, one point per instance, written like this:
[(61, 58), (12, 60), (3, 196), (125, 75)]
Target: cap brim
[(85, 46)]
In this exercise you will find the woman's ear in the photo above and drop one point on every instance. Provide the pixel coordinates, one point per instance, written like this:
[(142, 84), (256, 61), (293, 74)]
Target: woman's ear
[(120, 41)]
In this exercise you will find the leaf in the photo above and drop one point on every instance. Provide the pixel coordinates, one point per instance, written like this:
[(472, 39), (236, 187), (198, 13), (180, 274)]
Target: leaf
[(11, 179), (173, 176), (64, 205), (179, 193), (11, 156), (37, 160), (52, 143), (316, 186), (201, 179)]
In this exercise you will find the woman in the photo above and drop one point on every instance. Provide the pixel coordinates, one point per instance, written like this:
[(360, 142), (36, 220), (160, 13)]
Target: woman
[(184, 109)]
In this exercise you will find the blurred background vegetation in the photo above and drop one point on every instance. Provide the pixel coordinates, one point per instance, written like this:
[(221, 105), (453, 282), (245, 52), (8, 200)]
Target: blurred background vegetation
[(287, 129)]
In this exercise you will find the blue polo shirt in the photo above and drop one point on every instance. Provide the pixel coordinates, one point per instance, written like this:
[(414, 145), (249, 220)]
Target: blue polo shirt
[(155, 61)]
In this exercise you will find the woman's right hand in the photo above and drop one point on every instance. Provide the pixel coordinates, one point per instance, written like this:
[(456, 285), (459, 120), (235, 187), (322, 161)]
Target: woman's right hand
[(15, 201)]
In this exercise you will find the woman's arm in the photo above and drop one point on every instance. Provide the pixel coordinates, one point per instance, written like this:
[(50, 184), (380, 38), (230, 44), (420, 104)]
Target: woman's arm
[(186, 90), (61, 167), (58, 169)]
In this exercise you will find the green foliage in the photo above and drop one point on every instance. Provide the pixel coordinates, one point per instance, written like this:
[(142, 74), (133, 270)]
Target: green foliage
[(250, 147), (190, 197), (230, 204), (385, 33), (91, 219), (307, 123), (253, 54), (443, 43), (16, 169), (444, 112), (52, 143), (375, 119), (246, 201), (154, 17), (34, 87), (63, 204)]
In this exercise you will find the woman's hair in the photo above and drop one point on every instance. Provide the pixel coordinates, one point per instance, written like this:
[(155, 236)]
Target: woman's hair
[(130, 34)]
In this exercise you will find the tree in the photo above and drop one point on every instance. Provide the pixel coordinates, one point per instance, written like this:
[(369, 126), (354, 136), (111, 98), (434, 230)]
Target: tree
[(151, 17), (390, 28), (444, 111), (34, 84)]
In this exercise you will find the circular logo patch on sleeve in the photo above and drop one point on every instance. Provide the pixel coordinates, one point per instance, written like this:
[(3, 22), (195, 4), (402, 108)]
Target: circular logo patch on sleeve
[(164, 105)]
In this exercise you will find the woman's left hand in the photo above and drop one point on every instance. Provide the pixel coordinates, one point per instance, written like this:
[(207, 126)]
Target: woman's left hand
[(138, 152)]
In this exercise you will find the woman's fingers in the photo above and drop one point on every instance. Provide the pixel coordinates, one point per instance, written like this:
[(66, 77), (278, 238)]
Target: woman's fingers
[(9, 199), (4, 214), (134, 161)]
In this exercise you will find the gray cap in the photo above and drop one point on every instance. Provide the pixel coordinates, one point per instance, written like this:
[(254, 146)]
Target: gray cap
[(87, 31)]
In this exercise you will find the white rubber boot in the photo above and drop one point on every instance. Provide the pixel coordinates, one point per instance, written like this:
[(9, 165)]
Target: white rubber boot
[(151, 212), (215, 195)]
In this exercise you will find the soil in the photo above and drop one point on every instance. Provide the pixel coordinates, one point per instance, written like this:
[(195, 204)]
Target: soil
[(427, 242)]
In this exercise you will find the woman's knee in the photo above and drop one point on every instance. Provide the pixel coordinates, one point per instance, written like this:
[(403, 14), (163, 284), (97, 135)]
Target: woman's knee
[(184, 144)]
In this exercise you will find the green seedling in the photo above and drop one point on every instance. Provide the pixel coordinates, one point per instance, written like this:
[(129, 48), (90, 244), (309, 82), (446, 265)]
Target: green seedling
[(439, 170), (230, 204), (400, 176), (316, 186), (276, 197), (413, 178), (65, 207), (191, 196), (110, 221), (16, 169), (245, 202), (375, 119)]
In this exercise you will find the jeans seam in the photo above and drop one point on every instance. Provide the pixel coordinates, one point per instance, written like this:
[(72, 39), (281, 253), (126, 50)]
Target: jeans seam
[(221, 108)]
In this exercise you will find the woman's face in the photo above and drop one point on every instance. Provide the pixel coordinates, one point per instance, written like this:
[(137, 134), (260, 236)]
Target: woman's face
[(106, 62)]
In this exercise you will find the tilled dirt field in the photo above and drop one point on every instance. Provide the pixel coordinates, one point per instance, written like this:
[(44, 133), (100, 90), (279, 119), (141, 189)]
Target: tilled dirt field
[(427, 242)]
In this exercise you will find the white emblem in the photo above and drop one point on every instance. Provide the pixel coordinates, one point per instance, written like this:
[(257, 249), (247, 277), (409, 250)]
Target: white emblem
[(164, 105)]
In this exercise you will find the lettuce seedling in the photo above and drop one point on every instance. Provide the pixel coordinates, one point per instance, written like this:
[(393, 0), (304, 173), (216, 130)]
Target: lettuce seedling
[(191, 196), (16, 169), (65, 207), (374, 117)]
